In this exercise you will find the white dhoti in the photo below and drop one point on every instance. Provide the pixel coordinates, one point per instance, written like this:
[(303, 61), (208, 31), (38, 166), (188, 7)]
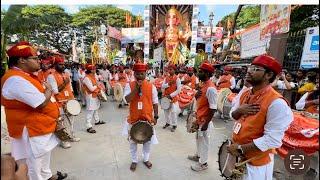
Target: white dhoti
[(203, 142), (36, 152), (171, 115), (264, 172), (146, 149), (93, 105)]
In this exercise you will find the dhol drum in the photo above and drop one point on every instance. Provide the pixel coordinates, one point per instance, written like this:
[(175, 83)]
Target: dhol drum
[(190, 120), (102, 96), (165, 103), (73, 107), (141, 132), (61, 131), (227, 163), (118, 92)]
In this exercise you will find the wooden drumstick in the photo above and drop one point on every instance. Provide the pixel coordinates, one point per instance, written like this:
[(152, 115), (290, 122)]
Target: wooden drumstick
[(249, 160)]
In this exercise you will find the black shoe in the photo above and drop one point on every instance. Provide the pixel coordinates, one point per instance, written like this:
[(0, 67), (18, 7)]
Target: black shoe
[(173, 128), (180, 115), (166, 125), (120, 106), (126, 104), (99, 122)]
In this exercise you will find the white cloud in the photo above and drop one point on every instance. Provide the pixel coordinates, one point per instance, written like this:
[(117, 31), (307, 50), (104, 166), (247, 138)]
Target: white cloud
[(72, 9), (125, 7)]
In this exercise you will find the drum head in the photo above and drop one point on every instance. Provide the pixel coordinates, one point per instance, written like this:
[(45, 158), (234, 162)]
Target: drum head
[(73, 107), (165, 103), (223, 93), (227, 105), (118, 92), (141, 132), (226, 160)]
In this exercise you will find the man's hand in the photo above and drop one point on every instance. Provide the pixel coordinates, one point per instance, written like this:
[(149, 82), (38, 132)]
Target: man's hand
[(169, 97), (194, 127), (47, 86), (9, 171), (249, 109), (198, 94), (156, 117), (233, 150), (66, 81)]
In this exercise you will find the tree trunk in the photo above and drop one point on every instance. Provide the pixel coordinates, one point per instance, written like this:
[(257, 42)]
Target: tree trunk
[(225, 52)]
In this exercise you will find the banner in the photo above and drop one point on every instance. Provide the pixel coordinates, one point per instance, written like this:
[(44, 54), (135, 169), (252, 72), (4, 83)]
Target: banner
[(132, 35), (204, 33), (251, 45), (193, 46), (310, 54), (158, 54), (274, 19), (146, 33), (114, 33)]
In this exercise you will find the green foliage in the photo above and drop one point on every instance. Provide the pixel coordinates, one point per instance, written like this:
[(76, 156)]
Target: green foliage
[(249, 16), (94, 15), (303, 17)]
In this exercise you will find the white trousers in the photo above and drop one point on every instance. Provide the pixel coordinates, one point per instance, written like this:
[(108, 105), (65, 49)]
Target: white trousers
[(264, 172), (202, 140), (171, 117), (91, 114), (145, 151), (68, 123), (39, 168)]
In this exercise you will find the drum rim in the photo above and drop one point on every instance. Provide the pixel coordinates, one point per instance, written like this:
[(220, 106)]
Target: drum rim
[(119, 86), (71, 101), (147, 139), (227, 141)]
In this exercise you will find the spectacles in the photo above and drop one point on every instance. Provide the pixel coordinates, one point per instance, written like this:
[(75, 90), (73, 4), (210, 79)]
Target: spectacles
[(255, 69), (34, 58)]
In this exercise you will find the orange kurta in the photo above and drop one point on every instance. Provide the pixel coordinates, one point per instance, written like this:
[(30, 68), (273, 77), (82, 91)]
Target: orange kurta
[(18, 114), (172, 87), (146, 113), (203, 103), (94, 83), (65, 94), (252, 127)]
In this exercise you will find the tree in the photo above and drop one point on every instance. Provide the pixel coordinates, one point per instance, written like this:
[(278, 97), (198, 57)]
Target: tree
[(89, 19), (249, 16), (55, 32), (303, 17), (234, 25), (9, 21)]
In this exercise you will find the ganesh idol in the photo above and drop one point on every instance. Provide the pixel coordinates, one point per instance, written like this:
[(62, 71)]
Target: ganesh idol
[(176, 32)]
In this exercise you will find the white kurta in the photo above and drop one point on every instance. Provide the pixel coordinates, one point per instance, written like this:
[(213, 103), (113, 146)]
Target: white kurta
[(92, 103)]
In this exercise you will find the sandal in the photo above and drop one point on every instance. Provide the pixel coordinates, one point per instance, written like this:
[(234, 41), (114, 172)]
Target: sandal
[(133, 166), (58, 176), (99, 122), (148, 164), (91, 130)]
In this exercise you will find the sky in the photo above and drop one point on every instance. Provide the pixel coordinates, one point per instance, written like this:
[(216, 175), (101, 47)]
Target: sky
[(219, 11)]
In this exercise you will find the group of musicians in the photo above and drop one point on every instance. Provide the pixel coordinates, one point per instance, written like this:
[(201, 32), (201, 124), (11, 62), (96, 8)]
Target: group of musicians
[(34, 101)]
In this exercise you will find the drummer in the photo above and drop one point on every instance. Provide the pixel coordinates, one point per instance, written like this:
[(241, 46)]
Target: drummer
[(46, 69), (91, 90), (172, 87), (191, 80), (261, 117), (62, 90), (226, 80), (143, 99), (206, 107)]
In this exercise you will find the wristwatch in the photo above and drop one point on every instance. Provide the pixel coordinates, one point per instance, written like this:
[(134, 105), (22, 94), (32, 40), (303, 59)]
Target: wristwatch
[(240, 150), (156, 117)]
